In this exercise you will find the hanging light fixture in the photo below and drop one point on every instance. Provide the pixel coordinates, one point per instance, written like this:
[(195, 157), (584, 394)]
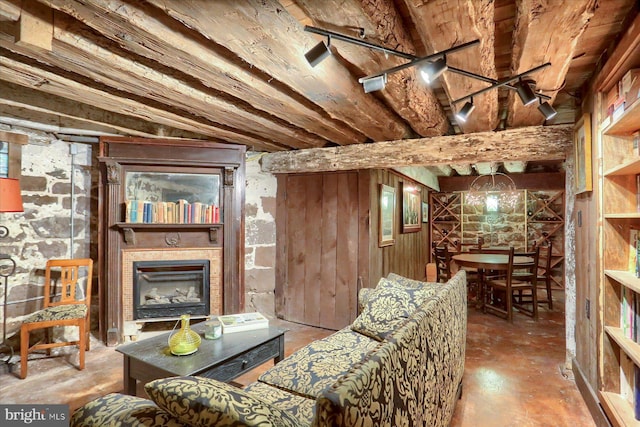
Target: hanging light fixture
[(493, 186), (465, 111)]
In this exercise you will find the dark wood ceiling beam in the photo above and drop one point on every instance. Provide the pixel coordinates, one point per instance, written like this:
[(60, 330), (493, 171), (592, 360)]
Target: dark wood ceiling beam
[(405, 92), (523, 144), (73, 51), (545, 32), (136, 28), (47, 82), (262, 33), (446, 23)]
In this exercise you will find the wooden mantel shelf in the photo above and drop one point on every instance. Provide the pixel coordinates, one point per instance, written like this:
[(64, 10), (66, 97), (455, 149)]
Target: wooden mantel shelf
[(128, 229)]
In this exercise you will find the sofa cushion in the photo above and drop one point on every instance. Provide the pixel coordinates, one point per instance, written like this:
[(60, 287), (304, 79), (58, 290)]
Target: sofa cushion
[(205, 402), (124, 410), (412, 283), (302, 408), (387, 307), (317, 365), (395, 280)]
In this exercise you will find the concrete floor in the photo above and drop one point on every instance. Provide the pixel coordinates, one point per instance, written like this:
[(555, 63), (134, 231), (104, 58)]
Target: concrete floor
[(514, 373)]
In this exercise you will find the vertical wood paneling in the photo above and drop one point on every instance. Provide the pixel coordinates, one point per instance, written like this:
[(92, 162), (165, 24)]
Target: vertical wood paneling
[(329, 231), (347, 250), (296, 248), (313, 223)]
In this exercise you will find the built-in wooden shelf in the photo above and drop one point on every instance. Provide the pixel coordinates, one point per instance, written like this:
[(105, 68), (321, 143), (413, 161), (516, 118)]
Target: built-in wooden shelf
[(631, 167), (625, 278), (617, 408), (631, 349), (623, 215), (628, 123)]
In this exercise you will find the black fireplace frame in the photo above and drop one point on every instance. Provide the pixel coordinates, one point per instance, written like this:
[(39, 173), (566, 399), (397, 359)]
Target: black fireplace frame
[(175, 309)]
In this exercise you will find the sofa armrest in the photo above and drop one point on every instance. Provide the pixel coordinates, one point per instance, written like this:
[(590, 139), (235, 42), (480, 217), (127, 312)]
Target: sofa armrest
[(199, 401)]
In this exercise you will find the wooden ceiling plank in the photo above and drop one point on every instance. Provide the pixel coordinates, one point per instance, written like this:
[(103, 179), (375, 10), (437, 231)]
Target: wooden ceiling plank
[(133, 29), (545, 32), (251, 24), (462, 169), (533, 143), (10, 9), (405, 92), (35, 26), (74, 52), (451, 23), (29, 104), (47, 82), (420, 174), (515, 167)]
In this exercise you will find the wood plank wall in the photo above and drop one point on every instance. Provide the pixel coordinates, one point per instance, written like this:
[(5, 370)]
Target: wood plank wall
[(410, 253), (327, 244)]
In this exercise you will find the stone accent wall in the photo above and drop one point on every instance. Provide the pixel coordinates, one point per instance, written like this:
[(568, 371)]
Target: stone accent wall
[(57, 222), (506, 228), (260, 238)]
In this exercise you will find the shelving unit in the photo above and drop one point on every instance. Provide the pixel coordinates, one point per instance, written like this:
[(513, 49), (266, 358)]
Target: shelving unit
[(545, 224), (446, 219), (620, 353)]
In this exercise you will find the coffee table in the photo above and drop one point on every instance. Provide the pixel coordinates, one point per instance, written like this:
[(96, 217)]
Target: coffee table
[(223, 359)]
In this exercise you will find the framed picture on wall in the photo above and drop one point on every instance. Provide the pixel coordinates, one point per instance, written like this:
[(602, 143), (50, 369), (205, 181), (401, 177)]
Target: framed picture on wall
[(411, 208), (386, 222), (582, 146), (425, 212)]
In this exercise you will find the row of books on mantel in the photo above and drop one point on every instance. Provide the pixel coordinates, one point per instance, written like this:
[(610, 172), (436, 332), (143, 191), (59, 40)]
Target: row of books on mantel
[(180, 212)]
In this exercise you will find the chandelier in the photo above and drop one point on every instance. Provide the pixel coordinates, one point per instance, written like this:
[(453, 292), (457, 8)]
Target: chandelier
[(486, 189)]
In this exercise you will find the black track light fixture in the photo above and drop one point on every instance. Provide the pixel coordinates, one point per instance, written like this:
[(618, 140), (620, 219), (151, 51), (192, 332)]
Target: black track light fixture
[(524, 91), (319, 52), (432, 70), (465, 111), (547, 110)]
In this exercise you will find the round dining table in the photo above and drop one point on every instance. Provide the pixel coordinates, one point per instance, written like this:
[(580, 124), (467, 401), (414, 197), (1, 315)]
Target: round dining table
[(487, 261)]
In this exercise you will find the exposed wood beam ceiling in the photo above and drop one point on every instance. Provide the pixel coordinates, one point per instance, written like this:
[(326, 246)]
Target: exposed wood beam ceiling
[(235, 72)]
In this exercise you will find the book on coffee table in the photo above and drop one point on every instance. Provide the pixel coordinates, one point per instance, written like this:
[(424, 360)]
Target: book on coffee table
[(242, 322)]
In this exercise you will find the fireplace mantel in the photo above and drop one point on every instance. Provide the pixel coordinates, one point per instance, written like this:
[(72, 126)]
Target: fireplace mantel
[(159, 235)]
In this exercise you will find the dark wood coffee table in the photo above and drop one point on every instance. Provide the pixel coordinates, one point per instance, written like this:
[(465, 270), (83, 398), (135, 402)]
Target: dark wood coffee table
[(223, 359)]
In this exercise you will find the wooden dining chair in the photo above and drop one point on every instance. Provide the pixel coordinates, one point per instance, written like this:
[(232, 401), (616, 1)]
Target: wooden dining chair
[(68, 306), (544, 273), (519, 278), (442, 258)]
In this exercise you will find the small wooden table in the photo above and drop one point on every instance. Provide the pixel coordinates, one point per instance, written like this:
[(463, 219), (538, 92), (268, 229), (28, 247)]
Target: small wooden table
[(223, 359), (484, 262)]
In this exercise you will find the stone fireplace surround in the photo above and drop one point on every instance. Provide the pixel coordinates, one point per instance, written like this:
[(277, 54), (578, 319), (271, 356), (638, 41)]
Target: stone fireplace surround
[(129, 256)]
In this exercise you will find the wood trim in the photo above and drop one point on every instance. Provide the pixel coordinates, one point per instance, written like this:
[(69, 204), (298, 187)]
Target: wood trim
[(14, 138), (589, 395)]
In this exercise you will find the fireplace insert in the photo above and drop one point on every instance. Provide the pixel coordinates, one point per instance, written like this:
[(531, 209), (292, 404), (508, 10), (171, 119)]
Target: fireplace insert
[(166, 289)]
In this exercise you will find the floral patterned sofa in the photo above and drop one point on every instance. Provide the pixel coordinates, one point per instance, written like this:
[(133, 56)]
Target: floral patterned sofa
[(399, 364)]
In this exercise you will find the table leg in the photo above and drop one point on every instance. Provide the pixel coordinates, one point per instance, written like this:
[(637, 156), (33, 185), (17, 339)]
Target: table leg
[(280, 355), (129, 382), (480, 302)]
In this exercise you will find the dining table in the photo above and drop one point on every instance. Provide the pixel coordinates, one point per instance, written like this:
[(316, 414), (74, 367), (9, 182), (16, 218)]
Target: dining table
[(487, 262)]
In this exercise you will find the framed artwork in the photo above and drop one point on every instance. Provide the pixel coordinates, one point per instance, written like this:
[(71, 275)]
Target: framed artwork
[(582, 151), (387, 216), (411, 209), (425, 212)]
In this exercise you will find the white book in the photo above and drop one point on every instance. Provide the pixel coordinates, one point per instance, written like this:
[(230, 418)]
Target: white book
[(242, 322)]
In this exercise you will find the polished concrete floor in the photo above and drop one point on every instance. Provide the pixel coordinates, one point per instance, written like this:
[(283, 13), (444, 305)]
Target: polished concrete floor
[(514, 373)]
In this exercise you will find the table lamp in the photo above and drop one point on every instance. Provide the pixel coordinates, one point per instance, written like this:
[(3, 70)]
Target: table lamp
[(10, 201)]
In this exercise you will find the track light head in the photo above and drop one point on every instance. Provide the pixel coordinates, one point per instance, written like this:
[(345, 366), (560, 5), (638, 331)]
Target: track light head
[(465, 111), (318, 53), (523, 88), (374, 83), (432, 70), (547, 110)]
